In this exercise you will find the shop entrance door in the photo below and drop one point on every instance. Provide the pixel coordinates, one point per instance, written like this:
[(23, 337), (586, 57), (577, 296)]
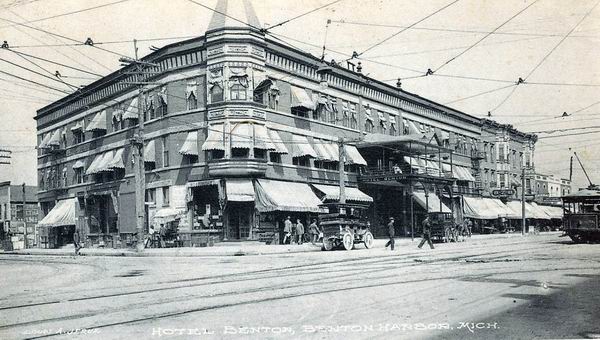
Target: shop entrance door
[(240, 219)]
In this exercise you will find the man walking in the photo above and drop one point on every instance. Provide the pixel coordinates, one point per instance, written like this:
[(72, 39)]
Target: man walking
[(299, 231), (314, 231), (426, 233), (287, 230), (76, 240), (391, 234)]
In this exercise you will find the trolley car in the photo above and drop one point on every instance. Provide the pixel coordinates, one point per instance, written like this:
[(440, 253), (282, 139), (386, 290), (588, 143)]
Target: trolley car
[(582, 215), (342, 227)]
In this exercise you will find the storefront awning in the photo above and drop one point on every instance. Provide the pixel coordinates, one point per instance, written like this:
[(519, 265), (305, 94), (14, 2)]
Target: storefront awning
[(552, 212), (62, 214), (353, 156), (300, 98), (98, 122), (300, 147), (475, 207), (214, 139), (261, 138), (150, 152), (239, 190), (433, 200), (190, 145), (242, 136), (277, 142), (132, 110), (538, 212), (166, 214), (501, 209), (285, 196), (333, 193), (463, 174)]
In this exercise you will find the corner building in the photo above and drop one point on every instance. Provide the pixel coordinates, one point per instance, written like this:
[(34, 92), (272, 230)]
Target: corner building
[(242, 131)]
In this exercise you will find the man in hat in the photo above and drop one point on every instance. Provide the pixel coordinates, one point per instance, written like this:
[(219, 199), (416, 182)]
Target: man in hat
[(391, 234), (287, 230), (426, 233)]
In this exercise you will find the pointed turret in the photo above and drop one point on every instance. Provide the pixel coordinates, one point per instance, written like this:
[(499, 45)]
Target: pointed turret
[(234, 14)]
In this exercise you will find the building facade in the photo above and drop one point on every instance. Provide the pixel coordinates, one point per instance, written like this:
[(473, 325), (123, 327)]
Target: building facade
[(15, 217), (242, 131)]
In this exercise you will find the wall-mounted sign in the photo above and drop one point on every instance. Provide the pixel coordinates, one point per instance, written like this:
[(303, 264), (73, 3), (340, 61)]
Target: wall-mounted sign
[(503, 192)]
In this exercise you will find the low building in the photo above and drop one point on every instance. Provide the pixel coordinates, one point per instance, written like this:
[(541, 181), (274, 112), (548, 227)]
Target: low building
[(16, 219)]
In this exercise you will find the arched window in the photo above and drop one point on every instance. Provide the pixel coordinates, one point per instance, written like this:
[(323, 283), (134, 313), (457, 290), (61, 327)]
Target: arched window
[(192, 102), (216, 93)]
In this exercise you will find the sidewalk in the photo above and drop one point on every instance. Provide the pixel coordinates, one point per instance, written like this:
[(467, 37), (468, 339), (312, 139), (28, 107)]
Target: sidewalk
[(223, 249)]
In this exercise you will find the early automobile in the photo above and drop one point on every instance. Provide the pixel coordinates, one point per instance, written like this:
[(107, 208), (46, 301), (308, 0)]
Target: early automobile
[(343, 227)]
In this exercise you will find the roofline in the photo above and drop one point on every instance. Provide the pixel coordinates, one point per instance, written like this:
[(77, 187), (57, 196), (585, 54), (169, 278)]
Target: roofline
[(109, 78)]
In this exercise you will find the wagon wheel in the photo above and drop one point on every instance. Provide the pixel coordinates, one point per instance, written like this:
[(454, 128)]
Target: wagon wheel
[(327, 244), (348, 241), (368, 240)]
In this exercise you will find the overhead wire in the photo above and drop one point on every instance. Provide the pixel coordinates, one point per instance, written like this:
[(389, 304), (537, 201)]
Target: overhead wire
[(36, 72), (404, 29), (72, 87), (301, 15), (54, 62), (484, 37), (479, 94), (34, 82)]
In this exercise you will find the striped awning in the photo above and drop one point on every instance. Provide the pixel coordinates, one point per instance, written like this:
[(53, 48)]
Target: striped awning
[(214, 140), (150, 152), (431, 203), (285, 196), (97, 123), (262, 139), (78, 126), (45, 140), (300, 147), (79, 164), (132, 110), (190, 146), (332, 192), (92, 169), (62, 214), (116, 161), (55, 139), (239, 190), (353, 156), (323, 153), (301, 98), (241, 136), (277, 142), (333, 149)]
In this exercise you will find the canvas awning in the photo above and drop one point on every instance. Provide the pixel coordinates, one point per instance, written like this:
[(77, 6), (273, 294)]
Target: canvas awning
[(300, 147), (334, 150), (190, 145), (499, 208), (77, 126), (353, 156), (462, 173), (332, 192), (239, 190), (105, 161), (277, 142), (166, 214), (241, 136), (132, 110), (116, 161), (92, 169), (552, 212), (55, 139), (300, 98), (285, 196), (98, 122), (261, 138), (433, 202), (416, 164), (323, 153), (79, 164), (475, 207), (62, 214), (45, 139), (515, 182), (538, 212), (214, 140), (150, 152)]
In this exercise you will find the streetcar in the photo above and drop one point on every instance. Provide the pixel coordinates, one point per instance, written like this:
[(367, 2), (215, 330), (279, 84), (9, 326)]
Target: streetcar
[(582, 215)]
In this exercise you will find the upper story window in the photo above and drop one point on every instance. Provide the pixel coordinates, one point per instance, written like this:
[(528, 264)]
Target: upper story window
[(237, 92), (216, 93), (191, 96), (150, 112), (161, 103), (165, 151)]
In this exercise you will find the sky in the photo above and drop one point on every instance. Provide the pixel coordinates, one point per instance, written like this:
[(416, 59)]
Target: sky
[(478, 49)]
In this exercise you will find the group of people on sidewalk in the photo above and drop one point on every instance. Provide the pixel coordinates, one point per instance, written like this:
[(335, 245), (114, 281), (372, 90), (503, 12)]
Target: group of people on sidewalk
[(426, 236), (295, 233)]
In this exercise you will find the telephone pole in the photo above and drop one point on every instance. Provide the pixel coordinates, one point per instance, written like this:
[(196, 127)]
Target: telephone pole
[(523, 217), (138, 148), (24, 220)]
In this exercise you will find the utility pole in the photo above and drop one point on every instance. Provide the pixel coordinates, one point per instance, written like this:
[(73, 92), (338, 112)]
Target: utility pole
[(138, 149), (523, 219), (342, 173), (24, 220)]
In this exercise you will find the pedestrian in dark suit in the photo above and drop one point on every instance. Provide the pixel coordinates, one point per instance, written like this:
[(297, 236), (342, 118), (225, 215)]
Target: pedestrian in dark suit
[(426, 233), (391, 234), (76, 240)]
